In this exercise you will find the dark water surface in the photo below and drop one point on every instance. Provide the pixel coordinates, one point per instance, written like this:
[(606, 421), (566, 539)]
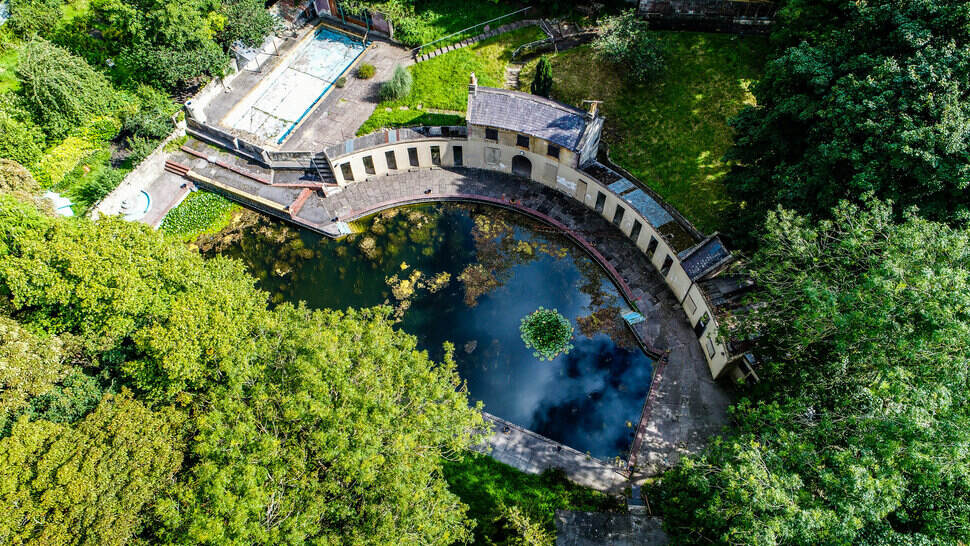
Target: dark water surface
[(468, 274)]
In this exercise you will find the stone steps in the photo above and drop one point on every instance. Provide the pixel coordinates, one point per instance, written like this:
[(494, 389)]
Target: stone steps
[(491, 33)]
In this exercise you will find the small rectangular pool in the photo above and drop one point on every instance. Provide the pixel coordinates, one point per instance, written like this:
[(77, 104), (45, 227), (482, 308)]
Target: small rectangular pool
[(280, 102)]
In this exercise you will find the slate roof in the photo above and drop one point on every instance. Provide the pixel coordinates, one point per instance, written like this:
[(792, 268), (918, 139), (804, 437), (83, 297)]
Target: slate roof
[(527, 114), (705, 257)]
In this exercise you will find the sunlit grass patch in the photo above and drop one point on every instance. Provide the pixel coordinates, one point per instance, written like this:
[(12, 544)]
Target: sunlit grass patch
[(200, 213), (672, 133)]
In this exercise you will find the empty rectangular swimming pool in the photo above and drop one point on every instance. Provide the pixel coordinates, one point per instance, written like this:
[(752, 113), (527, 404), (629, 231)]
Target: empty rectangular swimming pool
[(284, 98)]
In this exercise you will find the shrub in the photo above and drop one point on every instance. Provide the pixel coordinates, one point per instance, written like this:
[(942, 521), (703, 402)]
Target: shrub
[(152, 118), (62, 90), (140, 148), (546, 332), (626, 42), (95, 188), (20, 141), (100, 129), (366, 71), (341, 82), (34, 17), (399, 86), (62, 159), (542, 84)]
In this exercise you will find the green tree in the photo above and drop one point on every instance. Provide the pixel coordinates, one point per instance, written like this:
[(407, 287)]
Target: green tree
[(20, 140), (61, 90), (856, 432), (34, 17), (30, 365), (247, 21), (625, 41), (542, 84), (860, 97), (338, 442), (87, 484)]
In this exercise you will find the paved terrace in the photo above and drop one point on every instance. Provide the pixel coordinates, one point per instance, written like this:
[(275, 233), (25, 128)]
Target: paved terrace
[(685, 405)]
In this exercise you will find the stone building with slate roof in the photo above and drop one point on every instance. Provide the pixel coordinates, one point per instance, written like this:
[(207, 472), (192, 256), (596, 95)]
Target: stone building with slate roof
[(528, 135)]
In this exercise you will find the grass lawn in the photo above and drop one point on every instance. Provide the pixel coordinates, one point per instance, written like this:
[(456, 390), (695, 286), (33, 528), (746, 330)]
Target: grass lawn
[(485, 484), (200, 213), (434, 19), (442, 83), (672, 134)]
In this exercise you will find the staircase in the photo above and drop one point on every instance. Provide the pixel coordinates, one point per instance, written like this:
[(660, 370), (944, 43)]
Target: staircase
[(512, 72)]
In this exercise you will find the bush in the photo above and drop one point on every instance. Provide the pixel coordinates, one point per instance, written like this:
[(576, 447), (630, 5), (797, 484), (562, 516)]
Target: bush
[(100, 129), (20, 141), (547, 332), (341, 82), (626, 42), (366, 71), (34, 17), (399, 86), (61, 89), (140, 148), (542, 84), (62, 159), (94, 189), (153, 116)]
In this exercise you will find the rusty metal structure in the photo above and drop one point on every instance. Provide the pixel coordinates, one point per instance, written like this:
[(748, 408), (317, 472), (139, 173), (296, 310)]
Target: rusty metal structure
[(734, 16)]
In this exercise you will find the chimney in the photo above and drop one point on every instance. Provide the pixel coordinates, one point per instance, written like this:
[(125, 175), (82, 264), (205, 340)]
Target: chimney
[(592, 109), (473, 85)]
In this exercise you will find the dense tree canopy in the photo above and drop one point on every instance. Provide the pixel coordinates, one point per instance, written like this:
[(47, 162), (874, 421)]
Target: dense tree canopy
[(296, 425), (859, 429), (862, 96)]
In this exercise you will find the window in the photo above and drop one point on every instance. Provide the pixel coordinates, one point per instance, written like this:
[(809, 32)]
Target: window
[(552, 150), (493, 156), (369, 165), (459, 159), (522, 141), (413, 156), (347, 172), (635, 232), (668, 262), (391, 160), (710, 348), (618, 215), (652, 246), (701, 324), (491, 134), (600, 201), (436, 155)]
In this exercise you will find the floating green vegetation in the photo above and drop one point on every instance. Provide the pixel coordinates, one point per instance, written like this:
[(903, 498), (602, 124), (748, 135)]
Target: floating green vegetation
[(547, 333), (200, 213)]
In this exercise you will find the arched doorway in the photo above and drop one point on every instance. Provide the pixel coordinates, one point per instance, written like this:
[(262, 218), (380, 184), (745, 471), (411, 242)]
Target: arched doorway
[(521, 166)]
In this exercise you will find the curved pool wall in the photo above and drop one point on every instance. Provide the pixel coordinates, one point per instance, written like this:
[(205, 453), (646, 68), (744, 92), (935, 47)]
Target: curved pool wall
[(589, 399), (433, 149)]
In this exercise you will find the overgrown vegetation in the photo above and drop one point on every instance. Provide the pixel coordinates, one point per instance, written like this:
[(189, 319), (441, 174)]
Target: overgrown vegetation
[(419, 22), (875, 102), (627, 44), (398, 87), (671, 133), (442, 82), (84, 85), (491, 489), (201, 212), (547, 333), (382, 119), (218, 419)]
